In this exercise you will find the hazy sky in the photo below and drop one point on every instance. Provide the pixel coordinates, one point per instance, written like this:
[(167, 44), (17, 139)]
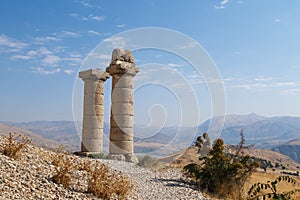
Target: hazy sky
[(255, 45)]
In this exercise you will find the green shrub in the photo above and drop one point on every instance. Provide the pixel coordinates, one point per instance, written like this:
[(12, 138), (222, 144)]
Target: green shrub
[(221, 174), (98, 156)]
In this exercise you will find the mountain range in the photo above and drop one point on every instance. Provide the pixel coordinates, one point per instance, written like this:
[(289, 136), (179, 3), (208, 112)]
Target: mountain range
[(280, 134)]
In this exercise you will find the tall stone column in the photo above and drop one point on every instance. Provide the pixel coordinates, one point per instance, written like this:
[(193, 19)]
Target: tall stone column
[(93, 110), (122, 69)]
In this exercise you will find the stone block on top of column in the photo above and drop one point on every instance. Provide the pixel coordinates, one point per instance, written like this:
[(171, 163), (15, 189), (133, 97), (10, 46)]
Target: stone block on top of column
[(94, 75)]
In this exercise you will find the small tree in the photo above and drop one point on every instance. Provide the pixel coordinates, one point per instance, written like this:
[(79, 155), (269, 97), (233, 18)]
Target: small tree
[(221, 174)]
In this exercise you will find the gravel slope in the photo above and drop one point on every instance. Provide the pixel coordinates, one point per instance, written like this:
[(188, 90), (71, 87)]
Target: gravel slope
[(30, 178)]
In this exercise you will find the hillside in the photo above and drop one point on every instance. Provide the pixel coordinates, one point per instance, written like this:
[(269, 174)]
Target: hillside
[(261, 131), (31, 178), (190, 155), (291, 149), (63, 132), (36, 138)]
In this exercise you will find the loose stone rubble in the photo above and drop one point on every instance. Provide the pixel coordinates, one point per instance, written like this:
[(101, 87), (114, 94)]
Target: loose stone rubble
[(30, 178)]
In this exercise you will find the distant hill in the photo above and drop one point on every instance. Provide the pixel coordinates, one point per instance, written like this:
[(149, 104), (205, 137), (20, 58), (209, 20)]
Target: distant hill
[(190, 155), (264, 132), (291, 149), (36, 138), (281, 134), (261, 131), (63, 132)]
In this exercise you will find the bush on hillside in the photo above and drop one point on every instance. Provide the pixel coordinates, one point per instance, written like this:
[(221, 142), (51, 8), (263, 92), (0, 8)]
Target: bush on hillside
[(220, 174), (106, 184), (13, 145), (101, 181)]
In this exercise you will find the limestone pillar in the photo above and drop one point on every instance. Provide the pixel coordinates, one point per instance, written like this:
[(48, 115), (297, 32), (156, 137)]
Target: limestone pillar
[(93, 110), (122, 69)]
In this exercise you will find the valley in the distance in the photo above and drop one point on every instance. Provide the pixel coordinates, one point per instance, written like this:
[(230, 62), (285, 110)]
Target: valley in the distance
[(280, 134)]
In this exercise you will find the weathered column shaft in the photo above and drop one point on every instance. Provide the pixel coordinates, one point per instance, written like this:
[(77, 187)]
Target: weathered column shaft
[(123, 69), (122, 114), (93, 110)]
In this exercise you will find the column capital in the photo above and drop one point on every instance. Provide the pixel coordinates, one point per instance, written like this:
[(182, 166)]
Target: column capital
[(94, 74), (121, 67)]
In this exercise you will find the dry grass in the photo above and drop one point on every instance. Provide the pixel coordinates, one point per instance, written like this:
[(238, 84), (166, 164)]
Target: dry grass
[(64, 167), (101, 181), (107, 184), (13, 145), (270, 176), (86, 175)]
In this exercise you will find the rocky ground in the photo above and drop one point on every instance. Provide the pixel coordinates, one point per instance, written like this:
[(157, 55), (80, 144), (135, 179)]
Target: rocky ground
[(30, 178)]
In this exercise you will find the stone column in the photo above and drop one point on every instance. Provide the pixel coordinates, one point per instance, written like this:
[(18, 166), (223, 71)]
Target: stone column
[(93, 110), (123, 69)]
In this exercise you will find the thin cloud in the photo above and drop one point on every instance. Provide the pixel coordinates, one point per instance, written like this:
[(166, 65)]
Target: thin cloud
[(74, 58), (21, 57), (69, 34), (42, 40), (40, 70), (251, 86), (96, 18), (290, 91), (286, 84), (44, 51), (222, 4), (37, 52), (117, 41), (190, 45), (32, 53), (175, 65), (90, 17), (260, 83), (94, 33), (121, 25), (51, 60), (277, 20), (9, 45), (262, 79), (194, 78), (84, 3), (69, 71)]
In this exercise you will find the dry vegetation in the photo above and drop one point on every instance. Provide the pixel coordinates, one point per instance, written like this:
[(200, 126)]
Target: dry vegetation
[(13, 145), (101, 181), (105, 184), (74, 173), (261, 177)]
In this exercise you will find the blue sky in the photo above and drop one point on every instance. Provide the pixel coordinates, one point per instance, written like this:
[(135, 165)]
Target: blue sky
[(255, 45)]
